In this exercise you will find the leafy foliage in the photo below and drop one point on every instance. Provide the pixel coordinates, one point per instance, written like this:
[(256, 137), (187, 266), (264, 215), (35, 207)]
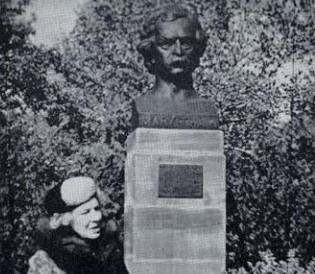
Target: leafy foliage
[(66, 111), (269, 264)]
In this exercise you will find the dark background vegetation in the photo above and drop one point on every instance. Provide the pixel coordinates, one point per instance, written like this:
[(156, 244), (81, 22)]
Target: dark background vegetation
[(66, 111)]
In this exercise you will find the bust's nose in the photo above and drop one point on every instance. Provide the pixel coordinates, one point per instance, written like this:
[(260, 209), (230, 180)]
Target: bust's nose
[(178, 47)]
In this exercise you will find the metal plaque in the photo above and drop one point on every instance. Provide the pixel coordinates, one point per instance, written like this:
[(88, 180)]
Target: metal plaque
[(180, 181)]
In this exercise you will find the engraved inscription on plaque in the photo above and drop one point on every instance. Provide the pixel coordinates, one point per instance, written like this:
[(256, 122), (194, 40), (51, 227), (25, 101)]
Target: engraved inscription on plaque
[(180, 181)]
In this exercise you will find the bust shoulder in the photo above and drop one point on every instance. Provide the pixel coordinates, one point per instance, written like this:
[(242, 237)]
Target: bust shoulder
[(190, 113)]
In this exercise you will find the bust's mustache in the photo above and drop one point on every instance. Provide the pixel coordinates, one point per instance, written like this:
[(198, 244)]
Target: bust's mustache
[(183, 62)]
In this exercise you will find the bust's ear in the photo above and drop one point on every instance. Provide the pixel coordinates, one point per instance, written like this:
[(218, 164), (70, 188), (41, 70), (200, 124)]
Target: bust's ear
[(59, 219)]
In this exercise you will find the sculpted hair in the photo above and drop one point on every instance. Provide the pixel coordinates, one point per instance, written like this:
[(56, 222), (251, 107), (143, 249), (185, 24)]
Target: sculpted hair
[(169, 14)]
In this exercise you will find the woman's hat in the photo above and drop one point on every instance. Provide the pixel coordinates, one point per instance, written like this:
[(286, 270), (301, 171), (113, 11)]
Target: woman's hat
[(70, 194)]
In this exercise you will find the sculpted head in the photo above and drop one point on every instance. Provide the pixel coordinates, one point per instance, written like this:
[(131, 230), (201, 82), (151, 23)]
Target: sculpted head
[(173, 41)]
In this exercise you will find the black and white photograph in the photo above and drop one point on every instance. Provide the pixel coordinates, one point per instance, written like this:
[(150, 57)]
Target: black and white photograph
[(157, 137)]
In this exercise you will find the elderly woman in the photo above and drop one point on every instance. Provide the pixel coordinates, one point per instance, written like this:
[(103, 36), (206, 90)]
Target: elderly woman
[(76, 241)]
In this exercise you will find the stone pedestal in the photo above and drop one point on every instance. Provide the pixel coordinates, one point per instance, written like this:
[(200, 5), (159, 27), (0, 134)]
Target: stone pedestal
[(175, 202)]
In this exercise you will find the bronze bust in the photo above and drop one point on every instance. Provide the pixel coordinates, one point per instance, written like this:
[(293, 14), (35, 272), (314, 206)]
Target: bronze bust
[(172, 44)]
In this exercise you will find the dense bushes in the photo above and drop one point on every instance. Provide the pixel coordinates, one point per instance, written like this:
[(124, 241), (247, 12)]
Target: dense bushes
[(66, 112), (269, 264)]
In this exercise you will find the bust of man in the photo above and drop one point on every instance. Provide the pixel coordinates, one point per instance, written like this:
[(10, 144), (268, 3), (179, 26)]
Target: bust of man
[(172, 44)]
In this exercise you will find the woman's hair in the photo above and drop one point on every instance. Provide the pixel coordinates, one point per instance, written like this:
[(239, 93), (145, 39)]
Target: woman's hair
[(169, 14)]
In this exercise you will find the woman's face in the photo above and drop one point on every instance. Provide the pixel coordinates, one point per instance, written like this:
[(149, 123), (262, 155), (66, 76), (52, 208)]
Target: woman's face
[(86, 219)]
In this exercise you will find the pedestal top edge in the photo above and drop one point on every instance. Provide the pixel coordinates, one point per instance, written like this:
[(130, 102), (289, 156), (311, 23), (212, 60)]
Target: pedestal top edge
[(175, 139), (145, 129)]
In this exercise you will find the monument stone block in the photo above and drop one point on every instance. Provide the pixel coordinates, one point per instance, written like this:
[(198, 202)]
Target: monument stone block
[(175, 202)]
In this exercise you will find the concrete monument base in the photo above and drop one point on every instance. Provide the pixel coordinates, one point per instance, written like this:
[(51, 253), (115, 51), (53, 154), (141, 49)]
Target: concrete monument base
[(175, 202)]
